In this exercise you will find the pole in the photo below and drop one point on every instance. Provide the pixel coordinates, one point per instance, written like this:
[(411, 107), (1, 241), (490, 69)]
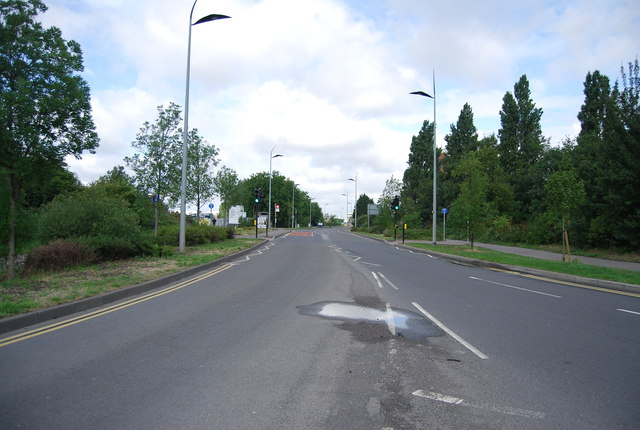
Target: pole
[(444, 225), (395, 225), (435, 160), (269, 219), (185, 134)]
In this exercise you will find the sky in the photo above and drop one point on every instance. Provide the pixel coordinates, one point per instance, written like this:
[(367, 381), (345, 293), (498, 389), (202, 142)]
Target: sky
[(327, 82)]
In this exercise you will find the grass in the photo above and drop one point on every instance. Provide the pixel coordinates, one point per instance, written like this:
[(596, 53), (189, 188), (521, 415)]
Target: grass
[(576, 268), (53, 288)]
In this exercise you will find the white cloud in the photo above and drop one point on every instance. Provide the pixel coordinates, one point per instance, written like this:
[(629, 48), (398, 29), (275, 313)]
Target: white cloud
[(328, 80)]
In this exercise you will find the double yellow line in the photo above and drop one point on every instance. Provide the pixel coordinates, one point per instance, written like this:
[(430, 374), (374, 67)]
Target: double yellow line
[(62, 324)]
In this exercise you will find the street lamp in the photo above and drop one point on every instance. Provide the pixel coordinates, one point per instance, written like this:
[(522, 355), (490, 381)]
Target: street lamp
[(355, 205), (293, 205), (435, 171), (347, 214), (183, 185), (271, 157)]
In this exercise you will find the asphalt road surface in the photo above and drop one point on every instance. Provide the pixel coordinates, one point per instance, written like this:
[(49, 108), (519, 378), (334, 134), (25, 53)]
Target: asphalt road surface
[(328, 330)]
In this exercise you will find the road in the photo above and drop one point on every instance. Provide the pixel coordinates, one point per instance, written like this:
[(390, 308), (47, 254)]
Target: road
[(329, 330)]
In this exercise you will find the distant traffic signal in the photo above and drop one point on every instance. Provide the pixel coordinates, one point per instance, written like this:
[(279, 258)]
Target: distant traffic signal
[(395, 204), (258, 196)]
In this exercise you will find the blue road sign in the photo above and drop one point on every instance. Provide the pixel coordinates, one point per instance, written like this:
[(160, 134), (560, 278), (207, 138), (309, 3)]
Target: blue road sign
[(445, 211)]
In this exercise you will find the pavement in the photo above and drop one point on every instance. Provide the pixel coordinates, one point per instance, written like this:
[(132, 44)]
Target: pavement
[(543, 255)]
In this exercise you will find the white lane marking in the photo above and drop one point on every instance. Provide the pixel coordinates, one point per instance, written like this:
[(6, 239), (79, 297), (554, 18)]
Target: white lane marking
[(516, 288), (451, 333), (506, 410), (388, 281), (357, 258), (631, 312), (402, 249), (377, 279), (369, 264), (390, 323)]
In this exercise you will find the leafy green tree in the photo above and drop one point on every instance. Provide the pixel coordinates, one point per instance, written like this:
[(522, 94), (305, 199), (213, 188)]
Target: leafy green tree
[(417, 181), (225, 183), (45, 111), (607, 157), (201, 159), (565, 194), (471, 205), (463, 137), (599, 121), (117, 183), (158, 163), (521, 143), (361, 206)]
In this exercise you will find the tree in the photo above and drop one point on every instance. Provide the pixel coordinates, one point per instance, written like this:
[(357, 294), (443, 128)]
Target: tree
[(565, 193), (201, 158), (463, 136), (225, 183), (362, 205), (45, 110), (521, 143), (417, 181), (471, 204), (157, 166)]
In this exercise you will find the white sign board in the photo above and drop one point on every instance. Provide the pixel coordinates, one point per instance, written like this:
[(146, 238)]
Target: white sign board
[(235, 213), (373, 209)]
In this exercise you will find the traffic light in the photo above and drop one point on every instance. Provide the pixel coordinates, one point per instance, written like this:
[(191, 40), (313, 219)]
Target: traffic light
[(258, 196), (395, 204)]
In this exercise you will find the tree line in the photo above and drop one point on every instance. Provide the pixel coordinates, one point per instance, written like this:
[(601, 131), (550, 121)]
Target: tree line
[(516, 187)]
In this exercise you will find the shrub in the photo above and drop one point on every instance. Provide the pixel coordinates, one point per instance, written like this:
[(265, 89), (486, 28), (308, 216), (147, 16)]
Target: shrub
[(114, 248), (87, 214), (196, 234), (58, 255)]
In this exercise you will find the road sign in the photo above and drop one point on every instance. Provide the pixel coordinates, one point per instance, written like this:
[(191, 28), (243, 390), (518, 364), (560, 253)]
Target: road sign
[(210, 205), (277, 208), (445, 211)]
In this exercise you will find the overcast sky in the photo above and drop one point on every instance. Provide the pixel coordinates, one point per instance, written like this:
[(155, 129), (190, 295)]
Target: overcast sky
[(328, 81)]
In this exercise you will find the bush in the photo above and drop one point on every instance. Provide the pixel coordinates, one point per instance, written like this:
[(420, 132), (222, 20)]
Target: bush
[(58, 255), (87, 214), (196, 234), (114, 248)]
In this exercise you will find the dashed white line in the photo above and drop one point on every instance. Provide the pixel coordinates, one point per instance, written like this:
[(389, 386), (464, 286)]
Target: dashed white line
[(630, 312), (451, 333), (515, 288), (506, 410)]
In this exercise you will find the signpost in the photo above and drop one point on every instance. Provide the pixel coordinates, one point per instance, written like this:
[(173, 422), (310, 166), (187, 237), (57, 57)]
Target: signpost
[(445, 211)]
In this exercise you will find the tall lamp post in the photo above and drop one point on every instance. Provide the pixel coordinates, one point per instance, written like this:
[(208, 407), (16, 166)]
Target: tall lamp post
[(271, 157), (355, 205), (347, 213), (183, 185), (293, 205), (435, 171)]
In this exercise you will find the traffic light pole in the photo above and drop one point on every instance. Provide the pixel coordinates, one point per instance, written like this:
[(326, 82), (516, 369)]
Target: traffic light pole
[(395, 225)]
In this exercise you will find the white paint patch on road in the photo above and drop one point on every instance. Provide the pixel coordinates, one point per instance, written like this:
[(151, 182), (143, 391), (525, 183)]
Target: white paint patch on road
[(630, 312), (377, 279), (515, 288), (505, 410), (388, 281), (450, 332), (390, 323)]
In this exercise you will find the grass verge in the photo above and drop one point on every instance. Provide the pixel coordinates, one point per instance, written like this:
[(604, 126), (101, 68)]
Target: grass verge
[(53, 288), (576, 269)]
